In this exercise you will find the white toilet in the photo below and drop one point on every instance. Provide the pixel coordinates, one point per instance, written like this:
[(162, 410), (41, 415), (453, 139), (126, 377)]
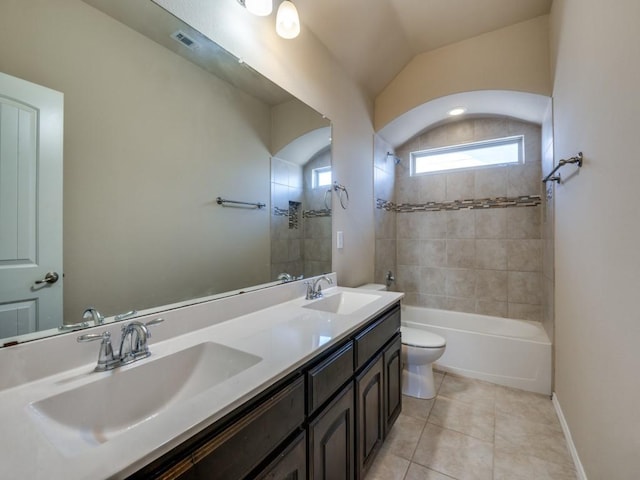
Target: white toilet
[(419, 350)]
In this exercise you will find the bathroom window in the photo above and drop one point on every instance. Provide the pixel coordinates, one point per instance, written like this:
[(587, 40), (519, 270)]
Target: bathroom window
[(488, 153), (321, 177)]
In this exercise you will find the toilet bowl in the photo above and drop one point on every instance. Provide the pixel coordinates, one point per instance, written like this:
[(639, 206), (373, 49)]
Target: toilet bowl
[(419, 350)]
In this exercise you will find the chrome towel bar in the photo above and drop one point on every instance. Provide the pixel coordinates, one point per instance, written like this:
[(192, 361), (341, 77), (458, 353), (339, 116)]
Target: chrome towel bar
[(231, 203), (557, 178)]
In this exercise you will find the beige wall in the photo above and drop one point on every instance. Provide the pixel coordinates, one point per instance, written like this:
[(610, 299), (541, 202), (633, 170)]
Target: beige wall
[(291, 120), (512, 58), (150, 141), (305, 68), (596, 108)]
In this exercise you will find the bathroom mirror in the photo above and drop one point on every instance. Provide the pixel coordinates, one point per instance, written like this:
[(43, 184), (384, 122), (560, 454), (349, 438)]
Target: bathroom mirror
[(159, 122)]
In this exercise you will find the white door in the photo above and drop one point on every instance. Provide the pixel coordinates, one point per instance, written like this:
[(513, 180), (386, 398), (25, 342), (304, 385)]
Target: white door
[(31, 127)]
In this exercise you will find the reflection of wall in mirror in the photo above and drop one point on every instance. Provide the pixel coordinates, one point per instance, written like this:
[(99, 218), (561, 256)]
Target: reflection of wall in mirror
[(150, 141)]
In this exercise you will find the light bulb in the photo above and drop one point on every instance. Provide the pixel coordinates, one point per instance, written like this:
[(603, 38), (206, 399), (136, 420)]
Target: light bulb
[(287, 20), (262, 8)]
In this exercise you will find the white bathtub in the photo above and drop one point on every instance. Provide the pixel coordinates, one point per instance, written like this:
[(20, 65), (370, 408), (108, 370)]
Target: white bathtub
[(514, 353)]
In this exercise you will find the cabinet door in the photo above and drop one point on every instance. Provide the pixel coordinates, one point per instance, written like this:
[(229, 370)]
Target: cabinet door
[(290, 464), (331, 438), (392, 383), (369, 414)]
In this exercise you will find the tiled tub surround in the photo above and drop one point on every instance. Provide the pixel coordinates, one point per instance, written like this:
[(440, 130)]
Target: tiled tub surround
[(475, 430), (385, 220), (300, 222), (268, 323), (287, 238), (486, 261), (317, 219)]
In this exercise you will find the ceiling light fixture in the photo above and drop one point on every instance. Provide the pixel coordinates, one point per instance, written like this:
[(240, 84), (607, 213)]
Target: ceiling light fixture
[(262, 8), (454, 112), (287, 20)]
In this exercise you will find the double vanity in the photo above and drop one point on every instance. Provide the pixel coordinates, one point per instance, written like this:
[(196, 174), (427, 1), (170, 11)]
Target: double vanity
[(265, 384)]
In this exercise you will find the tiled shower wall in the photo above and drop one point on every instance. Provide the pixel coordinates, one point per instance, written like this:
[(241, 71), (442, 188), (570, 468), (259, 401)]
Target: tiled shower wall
[(287, 244), (317, 227), (485, 261), (300, 237), (385, 221)]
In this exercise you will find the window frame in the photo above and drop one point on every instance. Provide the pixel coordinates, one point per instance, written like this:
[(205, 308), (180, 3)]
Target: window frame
[(462, 147), (315, 174)]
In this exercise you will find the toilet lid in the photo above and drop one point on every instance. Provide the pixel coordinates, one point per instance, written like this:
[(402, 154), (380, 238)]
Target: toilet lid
[(421, 338)]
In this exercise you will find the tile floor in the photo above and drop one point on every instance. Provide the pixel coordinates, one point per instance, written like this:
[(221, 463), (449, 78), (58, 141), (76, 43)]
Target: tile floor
[(475, 430)]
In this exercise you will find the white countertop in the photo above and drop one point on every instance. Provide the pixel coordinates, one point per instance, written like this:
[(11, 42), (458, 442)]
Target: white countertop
[(285, 336)]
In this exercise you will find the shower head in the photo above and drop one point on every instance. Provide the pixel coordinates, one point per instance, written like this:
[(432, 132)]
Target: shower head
[(396, 159)]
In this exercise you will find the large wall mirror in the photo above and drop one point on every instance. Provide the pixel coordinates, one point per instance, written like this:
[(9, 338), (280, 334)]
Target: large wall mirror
[(159, 122)]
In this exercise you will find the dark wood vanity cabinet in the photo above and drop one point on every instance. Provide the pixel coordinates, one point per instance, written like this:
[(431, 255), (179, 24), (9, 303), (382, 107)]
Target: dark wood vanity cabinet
[(369, 413), (291, 464), (331, 439), (325, 421), (392, 361)]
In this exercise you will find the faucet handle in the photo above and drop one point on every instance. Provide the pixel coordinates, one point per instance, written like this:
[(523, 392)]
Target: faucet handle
[(155, 321), (90, 337), (122, 316), (106, 358), (309, 285)]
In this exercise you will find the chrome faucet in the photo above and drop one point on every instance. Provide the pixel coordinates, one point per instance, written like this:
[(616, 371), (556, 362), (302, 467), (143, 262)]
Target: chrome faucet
[(389, 279), (133, 342), (133, 345), (93, 314), (314, 289), (285, 277)]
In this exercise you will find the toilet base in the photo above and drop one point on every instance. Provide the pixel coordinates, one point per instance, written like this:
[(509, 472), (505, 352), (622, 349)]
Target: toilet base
[(418, 381)]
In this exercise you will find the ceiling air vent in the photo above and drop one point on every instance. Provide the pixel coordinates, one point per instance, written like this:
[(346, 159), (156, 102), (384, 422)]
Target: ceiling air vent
[(184, 39)]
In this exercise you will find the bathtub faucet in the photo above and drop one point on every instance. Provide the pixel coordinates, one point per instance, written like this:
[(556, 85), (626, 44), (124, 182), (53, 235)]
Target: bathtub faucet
[(389, 279)]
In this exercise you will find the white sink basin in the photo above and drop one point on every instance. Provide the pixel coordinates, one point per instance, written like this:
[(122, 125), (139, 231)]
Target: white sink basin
[(343, 303), (92, 414)]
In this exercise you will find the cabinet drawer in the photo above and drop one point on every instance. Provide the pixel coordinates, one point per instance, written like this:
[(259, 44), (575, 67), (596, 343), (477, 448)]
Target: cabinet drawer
[(243, 445), (375, 336), (290, 464), (328, 376)]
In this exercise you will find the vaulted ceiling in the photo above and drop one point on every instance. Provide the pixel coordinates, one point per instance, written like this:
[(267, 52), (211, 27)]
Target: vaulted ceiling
[(375, 39)]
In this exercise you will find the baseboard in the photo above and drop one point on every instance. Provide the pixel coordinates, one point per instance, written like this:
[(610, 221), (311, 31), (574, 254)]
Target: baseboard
[(580, 473)]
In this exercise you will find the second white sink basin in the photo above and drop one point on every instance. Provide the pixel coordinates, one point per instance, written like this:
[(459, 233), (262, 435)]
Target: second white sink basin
[(95, 413), (343, 303)]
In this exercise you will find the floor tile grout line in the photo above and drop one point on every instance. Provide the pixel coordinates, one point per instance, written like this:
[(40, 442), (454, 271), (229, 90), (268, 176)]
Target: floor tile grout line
[(426, 421), (444, 374)]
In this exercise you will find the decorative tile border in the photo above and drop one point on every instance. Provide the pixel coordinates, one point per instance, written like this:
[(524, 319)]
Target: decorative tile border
[(292, 212), (472, 204), (325, 212), (280, 212)]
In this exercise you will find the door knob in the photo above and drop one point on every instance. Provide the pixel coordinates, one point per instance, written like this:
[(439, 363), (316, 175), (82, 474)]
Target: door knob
[(50, 278)]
